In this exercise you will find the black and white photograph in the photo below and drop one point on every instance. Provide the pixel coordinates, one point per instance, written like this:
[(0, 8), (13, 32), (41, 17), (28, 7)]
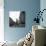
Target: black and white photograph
[(17, 18)]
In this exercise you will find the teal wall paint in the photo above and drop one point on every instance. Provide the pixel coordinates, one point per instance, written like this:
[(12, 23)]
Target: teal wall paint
[(30, 7)]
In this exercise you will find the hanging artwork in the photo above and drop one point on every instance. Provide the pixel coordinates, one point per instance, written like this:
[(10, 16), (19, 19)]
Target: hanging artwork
[(17, 18)]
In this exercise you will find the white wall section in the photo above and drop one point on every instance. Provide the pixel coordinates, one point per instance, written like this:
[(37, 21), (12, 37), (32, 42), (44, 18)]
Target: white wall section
[(1, 21)]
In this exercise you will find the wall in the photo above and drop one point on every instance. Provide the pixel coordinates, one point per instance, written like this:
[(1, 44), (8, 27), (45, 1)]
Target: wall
[(1, 21), (30, 6), (42, 6)]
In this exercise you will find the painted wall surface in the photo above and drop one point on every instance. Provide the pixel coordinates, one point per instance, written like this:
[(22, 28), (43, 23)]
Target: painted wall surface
[(43, 6), (1, 21), (30, 7)]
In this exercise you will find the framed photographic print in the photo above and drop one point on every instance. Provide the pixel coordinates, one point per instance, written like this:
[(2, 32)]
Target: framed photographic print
[(17, 18)]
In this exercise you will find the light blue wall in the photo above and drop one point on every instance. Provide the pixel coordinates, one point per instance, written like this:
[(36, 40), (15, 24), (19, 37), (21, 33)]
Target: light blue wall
[(43, 6), (30, 6)]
